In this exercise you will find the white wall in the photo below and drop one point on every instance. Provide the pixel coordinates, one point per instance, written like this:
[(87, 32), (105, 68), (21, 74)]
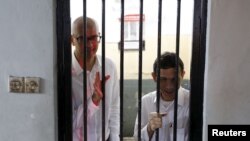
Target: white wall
[(227, 80), (27, 48)]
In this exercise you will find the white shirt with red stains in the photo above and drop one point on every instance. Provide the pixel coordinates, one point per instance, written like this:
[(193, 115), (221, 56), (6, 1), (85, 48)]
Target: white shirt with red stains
[(94, 113)]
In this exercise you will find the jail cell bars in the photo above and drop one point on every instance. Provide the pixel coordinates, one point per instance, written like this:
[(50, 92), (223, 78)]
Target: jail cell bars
[(121, 65), (140, 49)]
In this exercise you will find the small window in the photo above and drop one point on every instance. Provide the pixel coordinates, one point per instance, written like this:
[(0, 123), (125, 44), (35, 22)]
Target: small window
[(131, 27), (131, 32)]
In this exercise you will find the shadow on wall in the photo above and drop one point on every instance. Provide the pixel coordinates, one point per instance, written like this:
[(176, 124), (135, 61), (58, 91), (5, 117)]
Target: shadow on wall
[(131, 101)]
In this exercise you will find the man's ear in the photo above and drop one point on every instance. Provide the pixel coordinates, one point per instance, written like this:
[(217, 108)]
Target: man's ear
[(183, 73), (154, 76)]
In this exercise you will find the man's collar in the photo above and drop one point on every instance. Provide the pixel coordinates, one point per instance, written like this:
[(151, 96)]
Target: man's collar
[(77, 69)]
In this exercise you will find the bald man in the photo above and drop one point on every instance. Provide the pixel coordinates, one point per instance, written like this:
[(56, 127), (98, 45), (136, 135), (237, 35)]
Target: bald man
[(94, 92)]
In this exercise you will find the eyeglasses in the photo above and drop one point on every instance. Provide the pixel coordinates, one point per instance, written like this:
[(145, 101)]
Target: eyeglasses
[(92, 39)]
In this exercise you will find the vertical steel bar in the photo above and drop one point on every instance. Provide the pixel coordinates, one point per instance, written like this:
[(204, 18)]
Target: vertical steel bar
[(85, 71), (197, 69), (64, 85), (140, 70), (121, 69), (177, 68), (103, 69), (158, 63)]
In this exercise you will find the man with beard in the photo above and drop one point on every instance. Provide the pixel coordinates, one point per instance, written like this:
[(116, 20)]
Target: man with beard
[(150, 119), (94, 92)]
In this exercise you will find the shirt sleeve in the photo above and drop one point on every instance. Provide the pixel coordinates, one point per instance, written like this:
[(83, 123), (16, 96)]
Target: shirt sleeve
[(187, 122), (144, 123), (144, 132), (78, 114)]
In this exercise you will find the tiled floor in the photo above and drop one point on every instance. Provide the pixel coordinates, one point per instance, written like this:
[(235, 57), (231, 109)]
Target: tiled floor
[(128, 139)]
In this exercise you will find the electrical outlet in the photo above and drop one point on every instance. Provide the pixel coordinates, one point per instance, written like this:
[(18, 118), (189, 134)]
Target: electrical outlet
[(32, 84), (16, 84)]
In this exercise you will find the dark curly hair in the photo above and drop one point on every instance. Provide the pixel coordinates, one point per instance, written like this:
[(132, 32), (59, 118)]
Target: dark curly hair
[(168, 60)]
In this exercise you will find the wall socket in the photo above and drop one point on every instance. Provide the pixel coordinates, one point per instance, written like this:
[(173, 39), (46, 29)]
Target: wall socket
[(24, 84), (16, 84), (32, 84)]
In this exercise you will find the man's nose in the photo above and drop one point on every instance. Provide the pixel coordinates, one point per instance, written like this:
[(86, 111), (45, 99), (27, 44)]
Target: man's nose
[(89, 44), (170, 84)]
